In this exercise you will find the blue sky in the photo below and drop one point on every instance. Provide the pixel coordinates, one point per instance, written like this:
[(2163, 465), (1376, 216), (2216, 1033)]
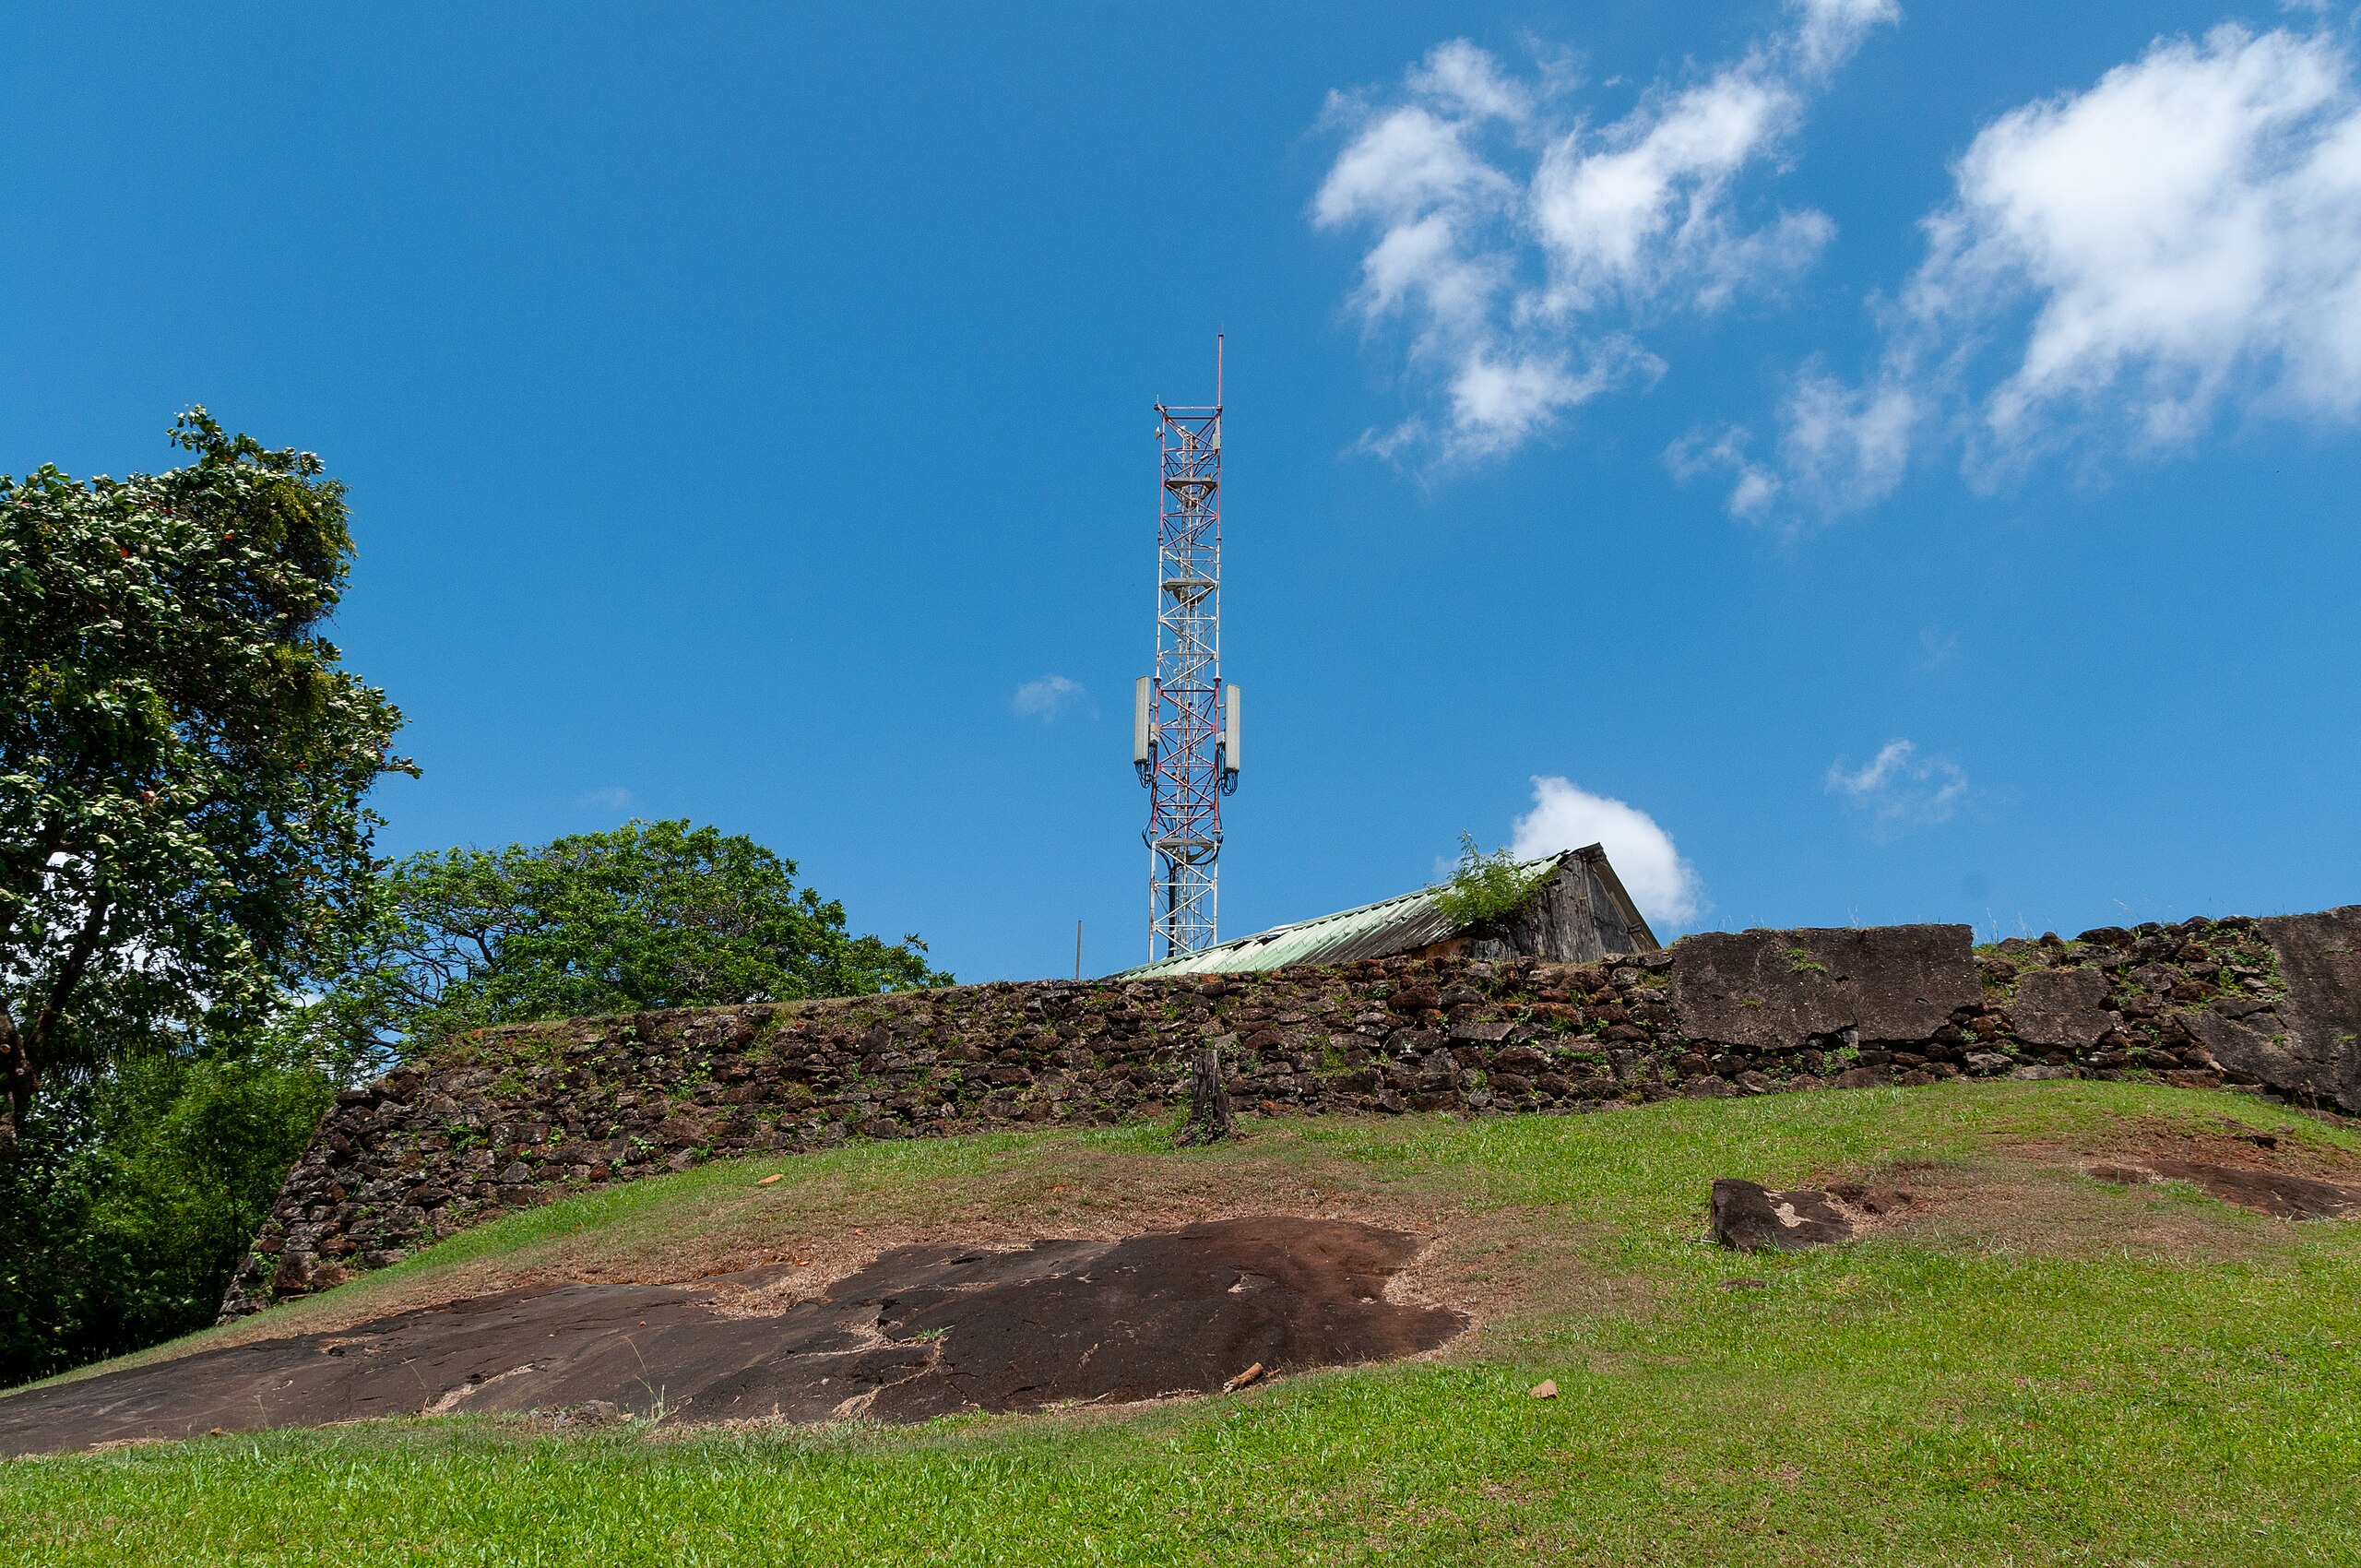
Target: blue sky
[(1905, 455)]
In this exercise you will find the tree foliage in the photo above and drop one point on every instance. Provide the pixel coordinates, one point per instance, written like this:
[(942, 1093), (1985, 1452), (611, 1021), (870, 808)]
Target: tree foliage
[(133, 1193), (184, 851), (650, 915), (182, 757)]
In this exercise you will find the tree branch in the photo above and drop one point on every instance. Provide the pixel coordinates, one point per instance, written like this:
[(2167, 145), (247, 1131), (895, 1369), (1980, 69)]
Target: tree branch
[(35, 1043), (27, 873), (22, 1081)]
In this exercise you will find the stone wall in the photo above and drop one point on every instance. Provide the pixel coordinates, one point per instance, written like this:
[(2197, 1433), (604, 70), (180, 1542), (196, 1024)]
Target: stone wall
[(507, 1118)]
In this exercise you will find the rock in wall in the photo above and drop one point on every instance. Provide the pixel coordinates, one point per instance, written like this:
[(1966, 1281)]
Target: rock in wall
[(2308, 1039), (1885, 984), (506, 1118)]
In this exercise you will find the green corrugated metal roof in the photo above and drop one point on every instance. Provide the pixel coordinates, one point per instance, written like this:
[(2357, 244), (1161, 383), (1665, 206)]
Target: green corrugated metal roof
[(1374, 931)]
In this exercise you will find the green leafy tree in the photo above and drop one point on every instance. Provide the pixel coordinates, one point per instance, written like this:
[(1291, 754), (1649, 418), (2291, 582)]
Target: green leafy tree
[(650, 915), (182, 757), (132, 1195)]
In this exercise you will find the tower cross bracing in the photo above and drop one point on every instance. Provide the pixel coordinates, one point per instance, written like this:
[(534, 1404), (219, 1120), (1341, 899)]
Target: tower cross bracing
[(1185, 739)]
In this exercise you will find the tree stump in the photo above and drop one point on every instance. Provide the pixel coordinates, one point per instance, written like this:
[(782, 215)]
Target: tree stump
[(1208, 1101)]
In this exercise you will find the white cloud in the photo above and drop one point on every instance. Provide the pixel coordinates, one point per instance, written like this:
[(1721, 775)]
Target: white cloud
[(1901, 789), (1644, 208), (1565, 816), (1048, 698), (2188, 228), (2115, 269), (614, 798), (1702, 452), (1521, 246), (1831, 30), (1844, 447)]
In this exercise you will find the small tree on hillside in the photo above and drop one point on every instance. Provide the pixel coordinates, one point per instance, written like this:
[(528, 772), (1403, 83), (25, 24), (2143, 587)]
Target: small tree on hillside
[(650, 915), (182, 757)]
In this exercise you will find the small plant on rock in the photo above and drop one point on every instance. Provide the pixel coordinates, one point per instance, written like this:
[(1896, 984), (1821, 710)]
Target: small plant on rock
[(1485, 886)]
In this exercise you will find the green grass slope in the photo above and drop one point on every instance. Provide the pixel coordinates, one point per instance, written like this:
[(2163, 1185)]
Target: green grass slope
[(2039, 1369)]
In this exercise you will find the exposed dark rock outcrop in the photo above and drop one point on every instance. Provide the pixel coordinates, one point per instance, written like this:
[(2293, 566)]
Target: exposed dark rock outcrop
[(1752, 1219), (920, 1332)]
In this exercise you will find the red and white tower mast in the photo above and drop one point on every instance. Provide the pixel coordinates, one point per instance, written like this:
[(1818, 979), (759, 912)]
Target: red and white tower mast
[(1184, 730)]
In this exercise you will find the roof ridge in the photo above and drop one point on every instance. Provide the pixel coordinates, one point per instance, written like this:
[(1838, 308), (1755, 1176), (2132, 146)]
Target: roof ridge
[(1185, 963)]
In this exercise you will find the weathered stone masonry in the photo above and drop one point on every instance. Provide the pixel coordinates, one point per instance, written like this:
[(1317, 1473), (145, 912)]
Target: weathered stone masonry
[(512, 1117)]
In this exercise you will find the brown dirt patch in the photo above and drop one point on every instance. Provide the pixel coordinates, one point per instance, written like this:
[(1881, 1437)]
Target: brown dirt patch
[(2265, 1191), (2280, 1171), (2292, 1146), (920, 1331), (2032, 1196), (2039, 1203)]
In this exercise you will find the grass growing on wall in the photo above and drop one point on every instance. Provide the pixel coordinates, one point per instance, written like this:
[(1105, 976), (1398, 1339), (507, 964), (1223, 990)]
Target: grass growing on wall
[(2044, 1371)]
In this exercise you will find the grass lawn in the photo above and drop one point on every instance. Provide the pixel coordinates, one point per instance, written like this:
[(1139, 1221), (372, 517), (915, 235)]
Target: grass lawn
[(2039, 1369)]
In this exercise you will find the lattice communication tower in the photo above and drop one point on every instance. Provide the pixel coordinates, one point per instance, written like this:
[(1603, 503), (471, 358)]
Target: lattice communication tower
[(1184, 722)]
